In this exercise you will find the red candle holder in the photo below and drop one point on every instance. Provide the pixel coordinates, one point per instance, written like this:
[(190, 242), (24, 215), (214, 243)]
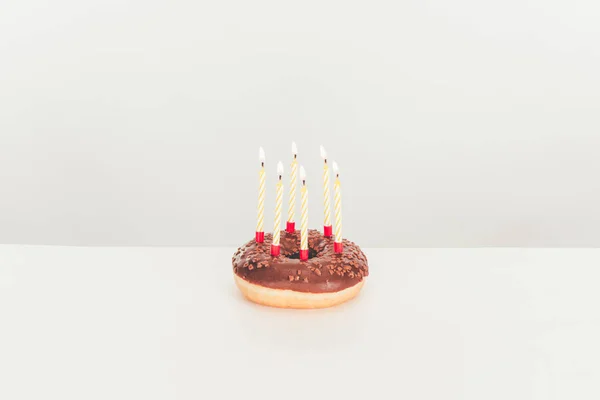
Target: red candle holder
[(338, 247), (290, 227), (304, 255), (275, 250), (327, 231), (260, 237)]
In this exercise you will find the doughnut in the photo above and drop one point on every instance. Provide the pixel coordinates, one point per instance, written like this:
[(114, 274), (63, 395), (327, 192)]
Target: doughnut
[(326, 279)]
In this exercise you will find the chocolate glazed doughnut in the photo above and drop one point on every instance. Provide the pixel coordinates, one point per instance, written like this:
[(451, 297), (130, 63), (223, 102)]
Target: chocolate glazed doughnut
[(324, 280)]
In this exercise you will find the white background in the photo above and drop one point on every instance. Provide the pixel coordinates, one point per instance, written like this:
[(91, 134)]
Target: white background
[(460, 123)]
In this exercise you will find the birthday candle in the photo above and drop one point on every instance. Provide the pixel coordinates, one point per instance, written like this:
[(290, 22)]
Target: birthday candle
[(278, 204), (327, 231), (303, 217), (260, 231), (291, 225), (337, 205)]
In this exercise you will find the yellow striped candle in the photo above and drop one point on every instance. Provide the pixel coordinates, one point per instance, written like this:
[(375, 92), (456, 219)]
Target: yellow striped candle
[(278, 203), (291, 225), (327, 231), (303, 217), (337, 207), (260, 230)]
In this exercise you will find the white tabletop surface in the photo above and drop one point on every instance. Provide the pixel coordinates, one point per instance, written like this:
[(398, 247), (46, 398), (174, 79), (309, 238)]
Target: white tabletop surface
[(168, 323)]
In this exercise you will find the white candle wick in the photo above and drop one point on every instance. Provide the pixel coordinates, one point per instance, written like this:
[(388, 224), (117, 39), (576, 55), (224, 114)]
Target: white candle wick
[(302, 174), (261, 155), (294, 149), (279, 169)]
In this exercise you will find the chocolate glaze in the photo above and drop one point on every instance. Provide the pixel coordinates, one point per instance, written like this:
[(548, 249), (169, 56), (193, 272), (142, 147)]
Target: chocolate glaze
[(324, 271)]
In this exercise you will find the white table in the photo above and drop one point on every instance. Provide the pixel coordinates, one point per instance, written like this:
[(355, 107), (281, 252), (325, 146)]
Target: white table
[(168, 323)]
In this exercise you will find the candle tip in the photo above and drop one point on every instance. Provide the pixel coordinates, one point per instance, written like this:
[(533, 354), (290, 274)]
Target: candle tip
[(294, 148), (279, 168), (336, 170), (302, 173), (323, 153), (261, 154)]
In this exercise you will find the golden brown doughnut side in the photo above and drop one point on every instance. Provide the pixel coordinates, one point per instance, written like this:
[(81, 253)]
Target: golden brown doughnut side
[(293, 299)]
